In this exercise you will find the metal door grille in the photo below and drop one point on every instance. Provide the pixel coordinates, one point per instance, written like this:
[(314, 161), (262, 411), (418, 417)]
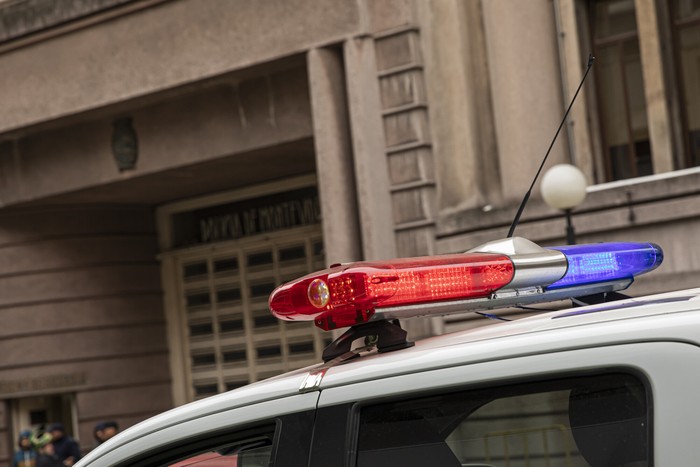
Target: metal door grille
[(232, 337)]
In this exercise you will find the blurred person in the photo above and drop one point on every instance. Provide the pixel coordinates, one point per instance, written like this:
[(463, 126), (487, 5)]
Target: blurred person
[(105, 430), (45, 456), (26, 455), (66, 448)]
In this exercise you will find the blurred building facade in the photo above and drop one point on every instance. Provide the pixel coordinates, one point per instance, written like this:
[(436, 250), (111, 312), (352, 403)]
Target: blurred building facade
[(164, 164)]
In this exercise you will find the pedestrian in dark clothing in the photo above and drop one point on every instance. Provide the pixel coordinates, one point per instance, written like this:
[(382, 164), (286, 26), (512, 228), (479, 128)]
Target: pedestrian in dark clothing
[(105, 430), (45, 457), (26, 455), (66, 448)]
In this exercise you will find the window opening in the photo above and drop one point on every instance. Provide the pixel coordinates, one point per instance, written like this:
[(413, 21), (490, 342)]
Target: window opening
[(686, 26), (198, 299), (228, 295), (620, 89), (195, 270), (234, 355), (229, 324), (227, 265)]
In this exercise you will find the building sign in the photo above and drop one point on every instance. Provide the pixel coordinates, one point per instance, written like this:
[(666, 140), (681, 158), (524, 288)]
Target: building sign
[(42, 384), (248, 217)]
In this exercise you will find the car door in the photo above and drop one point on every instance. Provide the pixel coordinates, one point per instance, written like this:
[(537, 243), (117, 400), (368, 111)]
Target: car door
[(629, 404)]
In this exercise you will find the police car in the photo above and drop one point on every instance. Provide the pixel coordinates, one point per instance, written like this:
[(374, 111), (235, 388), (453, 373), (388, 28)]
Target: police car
[(611, 381)]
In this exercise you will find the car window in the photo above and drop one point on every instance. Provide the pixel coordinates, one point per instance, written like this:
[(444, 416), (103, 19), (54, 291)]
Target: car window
[(593, 421), (283, 442), (209, 459), (246, 448), (253, 453)]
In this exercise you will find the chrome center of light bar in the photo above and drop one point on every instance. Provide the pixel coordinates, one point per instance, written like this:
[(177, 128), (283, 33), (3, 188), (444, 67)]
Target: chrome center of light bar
[(534, 265)]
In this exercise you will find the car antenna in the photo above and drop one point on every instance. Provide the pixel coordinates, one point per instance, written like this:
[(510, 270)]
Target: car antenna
[(591, 60)]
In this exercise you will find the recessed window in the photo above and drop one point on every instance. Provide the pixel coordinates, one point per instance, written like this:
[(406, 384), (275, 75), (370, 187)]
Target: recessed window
[(203, 359), (234, 356), (203, 390), (301, 347), (230, 325), (259, 259), (228, 295), (262, 290), (686, 25), (195, 270), (228, 265), (269, 351), (265, 321), (293, 254), (620, 90), (38, 417), (202, 329), (198, 299)]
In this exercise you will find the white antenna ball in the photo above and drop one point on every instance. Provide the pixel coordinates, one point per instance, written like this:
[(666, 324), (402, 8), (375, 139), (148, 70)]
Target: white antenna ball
[(563, 186)]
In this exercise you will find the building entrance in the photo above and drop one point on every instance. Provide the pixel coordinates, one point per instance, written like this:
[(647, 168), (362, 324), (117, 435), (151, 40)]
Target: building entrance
[(222, 333), (37, 412), (232, 337)]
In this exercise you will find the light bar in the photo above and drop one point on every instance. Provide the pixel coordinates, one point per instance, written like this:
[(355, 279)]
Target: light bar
[(602, 262), (348, 294), (507, 272)]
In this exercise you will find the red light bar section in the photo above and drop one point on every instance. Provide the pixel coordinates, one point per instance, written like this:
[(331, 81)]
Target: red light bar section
[(348, 294)]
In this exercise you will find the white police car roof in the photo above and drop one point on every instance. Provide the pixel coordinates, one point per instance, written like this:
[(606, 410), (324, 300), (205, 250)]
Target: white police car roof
[(660, 317), (669, 316)]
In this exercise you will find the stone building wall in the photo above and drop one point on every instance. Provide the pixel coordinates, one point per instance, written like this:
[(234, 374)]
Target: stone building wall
[(82, 314)]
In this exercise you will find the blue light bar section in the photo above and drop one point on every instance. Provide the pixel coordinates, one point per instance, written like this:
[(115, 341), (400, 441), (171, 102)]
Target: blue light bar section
[(602, 262)]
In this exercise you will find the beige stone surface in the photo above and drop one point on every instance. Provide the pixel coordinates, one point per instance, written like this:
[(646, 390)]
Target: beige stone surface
[(657, 109), (228, 123), (461, 113), (368, 139), (526, 83), (334, 159), (168, 45)]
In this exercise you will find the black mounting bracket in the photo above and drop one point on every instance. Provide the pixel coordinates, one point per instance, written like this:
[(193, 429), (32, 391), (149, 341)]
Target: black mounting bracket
[(387, 335), (598, 298)]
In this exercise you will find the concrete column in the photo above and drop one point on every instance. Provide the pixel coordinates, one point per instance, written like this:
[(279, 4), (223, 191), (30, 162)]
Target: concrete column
[(334, 162), (573, 65), (658, 115), (371, 172), (461, 115), (181, 389), (525, 76)]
